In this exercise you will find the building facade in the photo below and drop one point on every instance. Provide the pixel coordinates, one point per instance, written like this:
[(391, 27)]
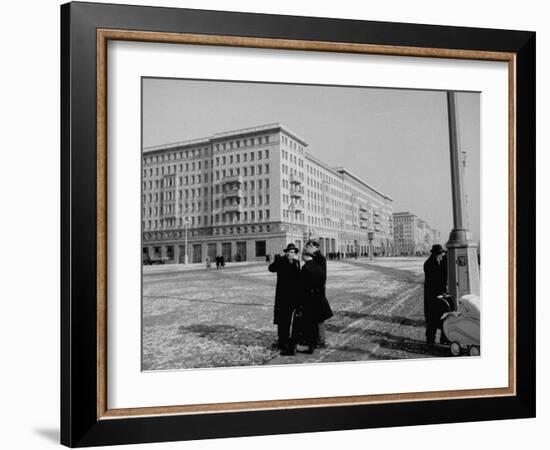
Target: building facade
[(412, 235), (245, 194)]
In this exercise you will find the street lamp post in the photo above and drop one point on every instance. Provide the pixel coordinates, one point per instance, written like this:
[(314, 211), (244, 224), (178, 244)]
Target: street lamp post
[(186, 257), (292, 208), (462, 266), (370, 235)]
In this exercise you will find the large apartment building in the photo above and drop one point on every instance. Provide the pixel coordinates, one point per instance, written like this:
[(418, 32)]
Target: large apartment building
[(247, 193), (412, 235)]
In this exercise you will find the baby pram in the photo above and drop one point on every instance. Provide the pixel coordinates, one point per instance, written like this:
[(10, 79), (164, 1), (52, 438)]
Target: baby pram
[(462, 326)]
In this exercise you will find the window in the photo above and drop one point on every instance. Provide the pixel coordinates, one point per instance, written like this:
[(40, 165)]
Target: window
[(267, 151), (251, 156)]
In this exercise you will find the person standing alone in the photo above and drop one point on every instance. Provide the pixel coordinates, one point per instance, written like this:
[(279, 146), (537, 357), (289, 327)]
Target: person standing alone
[(287, 268), (435, 285)]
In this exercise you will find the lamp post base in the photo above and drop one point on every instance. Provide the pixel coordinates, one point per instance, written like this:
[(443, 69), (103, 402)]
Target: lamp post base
[(186, 260), (462, 265)]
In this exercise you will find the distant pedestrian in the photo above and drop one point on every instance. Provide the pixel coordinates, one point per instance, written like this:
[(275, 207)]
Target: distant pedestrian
[(435, 285), (312, 246), (218, 261), (222, 261), (287, 268), (208, 262), (268, 258)]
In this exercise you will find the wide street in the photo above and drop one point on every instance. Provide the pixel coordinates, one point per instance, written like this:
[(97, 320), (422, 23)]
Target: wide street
[(194, 317)]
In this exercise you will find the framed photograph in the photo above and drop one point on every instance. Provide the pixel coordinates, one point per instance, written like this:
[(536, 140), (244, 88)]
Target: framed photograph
[(277, 224)]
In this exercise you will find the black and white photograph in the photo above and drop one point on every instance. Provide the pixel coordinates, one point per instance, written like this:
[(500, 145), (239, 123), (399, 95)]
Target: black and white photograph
[(293, 223)]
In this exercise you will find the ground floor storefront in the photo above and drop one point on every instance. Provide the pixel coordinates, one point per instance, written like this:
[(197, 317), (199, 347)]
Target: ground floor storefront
[(255, 247)]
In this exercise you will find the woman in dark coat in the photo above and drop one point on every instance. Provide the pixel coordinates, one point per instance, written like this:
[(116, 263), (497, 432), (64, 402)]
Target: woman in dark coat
[(312, 246), (310, 306), (287, 268)]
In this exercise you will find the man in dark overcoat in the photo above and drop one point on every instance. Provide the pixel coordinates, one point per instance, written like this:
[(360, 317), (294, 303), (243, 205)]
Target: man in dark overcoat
[(287, 268), (435, 284), (309, 307), (312, 246)]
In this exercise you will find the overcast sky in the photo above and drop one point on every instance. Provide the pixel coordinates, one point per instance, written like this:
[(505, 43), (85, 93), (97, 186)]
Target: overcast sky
[(396, 140)]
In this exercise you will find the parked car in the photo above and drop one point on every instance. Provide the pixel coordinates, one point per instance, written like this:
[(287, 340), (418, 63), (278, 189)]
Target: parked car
[(148, 261)]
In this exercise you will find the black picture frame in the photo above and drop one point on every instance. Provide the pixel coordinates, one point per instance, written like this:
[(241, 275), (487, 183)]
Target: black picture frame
[(80, 425)]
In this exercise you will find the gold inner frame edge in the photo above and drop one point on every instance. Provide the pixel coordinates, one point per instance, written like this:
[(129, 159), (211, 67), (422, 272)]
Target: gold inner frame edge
[(103, 36)]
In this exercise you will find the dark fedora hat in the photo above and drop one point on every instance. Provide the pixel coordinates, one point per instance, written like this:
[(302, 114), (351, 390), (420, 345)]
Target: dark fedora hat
[(437, 249), (290, 248)]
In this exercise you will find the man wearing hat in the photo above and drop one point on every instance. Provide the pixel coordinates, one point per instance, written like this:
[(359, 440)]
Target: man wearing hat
[(312, 246), (287, 268), (435, 284)]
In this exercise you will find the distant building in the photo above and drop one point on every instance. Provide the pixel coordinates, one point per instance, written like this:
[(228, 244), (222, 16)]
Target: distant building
[(412, 235), (245, 194)]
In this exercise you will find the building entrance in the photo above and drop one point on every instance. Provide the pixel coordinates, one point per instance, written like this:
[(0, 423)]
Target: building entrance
[(226, 251), (197, 253), (241, 251)]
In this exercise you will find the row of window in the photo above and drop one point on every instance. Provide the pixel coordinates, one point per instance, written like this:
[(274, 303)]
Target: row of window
[(251, 171), (172, 156), (236, 159), (292, 158), (247, 216), (246, 201), (172, 169), (198, 221), (292, 144), (187, 180), (287, 170), (238, 143)]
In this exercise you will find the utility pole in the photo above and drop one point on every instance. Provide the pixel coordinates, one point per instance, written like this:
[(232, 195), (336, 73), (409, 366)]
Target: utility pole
[(462, 266)]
